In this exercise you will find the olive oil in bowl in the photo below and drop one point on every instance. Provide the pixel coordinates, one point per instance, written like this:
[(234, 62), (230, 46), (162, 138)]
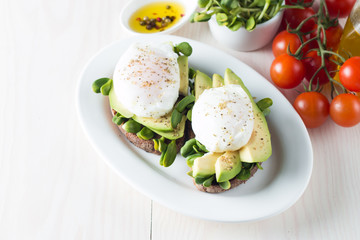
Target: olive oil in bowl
[(156, 17)]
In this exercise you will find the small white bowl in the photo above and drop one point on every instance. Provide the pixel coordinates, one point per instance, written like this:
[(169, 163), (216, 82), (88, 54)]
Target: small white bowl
[(242, 40), (132, 6)]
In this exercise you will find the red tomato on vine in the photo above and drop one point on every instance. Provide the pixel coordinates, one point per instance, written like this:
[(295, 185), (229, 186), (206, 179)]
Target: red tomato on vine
[(349, 74), (294, 17), (345, 110), (283, 41), (333, 35), (339, 8), (313, 108), (312, 62), (286, 71)]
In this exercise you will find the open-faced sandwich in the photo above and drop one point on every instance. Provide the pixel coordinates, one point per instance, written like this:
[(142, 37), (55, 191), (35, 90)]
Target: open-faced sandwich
[(231, 137), (151, 97), (148, 95)]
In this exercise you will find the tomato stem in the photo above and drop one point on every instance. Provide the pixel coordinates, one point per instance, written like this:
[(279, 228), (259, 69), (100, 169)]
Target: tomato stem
[(342, 59), (323, 22)]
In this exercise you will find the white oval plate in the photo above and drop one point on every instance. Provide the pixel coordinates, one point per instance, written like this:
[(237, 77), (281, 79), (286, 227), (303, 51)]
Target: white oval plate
[(271, 191)]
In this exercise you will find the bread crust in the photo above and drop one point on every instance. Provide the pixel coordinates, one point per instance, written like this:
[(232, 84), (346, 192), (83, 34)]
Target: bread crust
[(146, 145), (234, 183)]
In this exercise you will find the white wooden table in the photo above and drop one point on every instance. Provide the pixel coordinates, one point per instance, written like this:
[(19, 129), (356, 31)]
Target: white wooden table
[(53, 185)]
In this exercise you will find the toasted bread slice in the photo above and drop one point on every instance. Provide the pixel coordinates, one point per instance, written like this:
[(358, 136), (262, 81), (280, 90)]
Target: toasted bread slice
[(146, 145), (216, 188), (234, 183)]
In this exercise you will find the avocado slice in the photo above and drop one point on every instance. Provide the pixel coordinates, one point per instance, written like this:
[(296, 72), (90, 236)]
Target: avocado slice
[(178, 132), (218, 80), (259, 148), (202, 82), (117, 106), (162, 123), (205, 166), (227, 166), (184, 75)]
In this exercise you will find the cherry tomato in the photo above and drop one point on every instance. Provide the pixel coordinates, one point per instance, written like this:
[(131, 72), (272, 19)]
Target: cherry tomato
[(286, 71), (313, 108), (333, 35), (283, 40), (339, 8), (312, 63), (295, 16), (345, 110), (349, 74)]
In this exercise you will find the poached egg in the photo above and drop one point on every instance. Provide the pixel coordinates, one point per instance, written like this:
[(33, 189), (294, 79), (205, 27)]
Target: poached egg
[(223, 118), (146, 79)]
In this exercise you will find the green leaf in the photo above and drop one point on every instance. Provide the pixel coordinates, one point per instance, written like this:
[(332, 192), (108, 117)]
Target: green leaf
[(236, 25), (156, 144), (162, 145), (131, 126), (259, 166), (229, 4), (264, 103), (180, 106), (118, 120), (170, 154), (99, 83), (196, 149), (176, 117), (202, 17), (201, 147), (260, 3), (203, 3), (225, 185), (208, 6), (247, 165), (222, 19), (145, 134), (187, 149), (105, 89), (250, 24), (208, 182), (200, 180), (162, 157), (244, 174), (184, 48)]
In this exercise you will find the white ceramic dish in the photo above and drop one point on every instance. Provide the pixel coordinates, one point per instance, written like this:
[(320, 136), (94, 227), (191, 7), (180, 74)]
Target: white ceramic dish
[(243, 40), (271, 191), (132, 6)]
